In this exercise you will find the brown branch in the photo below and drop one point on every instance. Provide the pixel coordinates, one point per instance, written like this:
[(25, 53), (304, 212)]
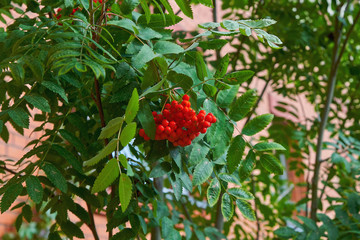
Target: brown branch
[(8, 170), (91, 225)]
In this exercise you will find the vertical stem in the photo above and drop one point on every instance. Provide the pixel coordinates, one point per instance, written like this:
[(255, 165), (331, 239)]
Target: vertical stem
[(219, 221), (92, 222), (159, 184), (325, 113)]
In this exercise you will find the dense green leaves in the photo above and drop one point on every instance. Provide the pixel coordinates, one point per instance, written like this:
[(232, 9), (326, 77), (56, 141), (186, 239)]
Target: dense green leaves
[(125, 191), (34, 189), (56, 89), (235, 152), (242, 106), (55, 176), (202, 172), (146, 119), (160, 170), (107, 176), (271, 163), (213, 192), (257, 124), (127, 6)]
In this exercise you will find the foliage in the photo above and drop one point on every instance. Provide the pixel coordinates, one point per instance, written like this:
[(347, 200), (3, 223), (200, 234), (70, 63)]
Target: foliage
[(90, 78)]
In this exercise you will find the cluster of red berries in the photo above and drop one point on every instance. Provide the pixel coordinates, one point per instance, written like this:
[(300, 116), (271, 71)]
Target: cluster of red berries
[(58, 15), (179, 123)]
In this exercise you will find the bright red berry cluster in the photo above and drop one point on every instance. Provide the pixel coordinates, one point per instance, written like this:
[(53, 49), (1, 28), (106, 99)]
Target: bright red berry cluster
[(179, 123)]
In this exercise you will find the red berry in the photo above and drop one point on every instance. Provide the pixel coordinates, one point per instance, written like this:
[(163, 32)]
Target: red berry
[(160, 129), (186, 97), (172, 125), (167, 106), (200, 117), (165, 122), (214, 119), (206, 124), (142, 132), (146, 138), (208, 118), (174, 103), (167, 130), (203, 130), (154, 114)]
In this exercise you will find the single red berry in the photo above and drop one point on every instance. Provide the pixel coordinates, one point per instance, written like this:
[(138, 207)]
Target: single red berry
[(165, 122), (167, 106), (160, 129), (167, 130), (146, 138), (200, 117), (186, 97), (203, 130), (179, 108), (194, 119), (154, 114), (213, 119), (174, 103)]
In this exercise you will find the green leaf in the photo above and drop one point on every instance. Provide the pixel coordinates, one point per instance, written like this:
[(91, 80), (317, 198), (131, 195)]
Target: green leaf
[(209, 90), (245, 209), (127, 6), (17, 72), (209, 25), (235, 153), (73, 140), (96, 68), (157, 21), (81, 213), (73, 161), (229, 178), (331, 228), (165, 47), (34, 189), (237, 78), (257, 124), (242, 106), (202, 172), (197, 154), (227, 207), (145, 55), (230, 25), (54, 236), (55, 177), (103, 153), (20, 117), (240, 193), (168, 7), (309, 223), (38, 102), (258, 23), (146, 9), (285, 232), (200, 66), (125, 233), (160, 170), (268, 146), (247, 166), (56, 89), (27, 213), (10, 196), (146, 119), (226, 97), (153, 88), (213, 192), (185, 7), (223, 66), (148, 34), (133, 107), (36, 66), (71, 229), (128, 133), (215, 44), (124, 23), (107, 176), (124, 162), (125, 191), (111, 128), (271, 164)]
